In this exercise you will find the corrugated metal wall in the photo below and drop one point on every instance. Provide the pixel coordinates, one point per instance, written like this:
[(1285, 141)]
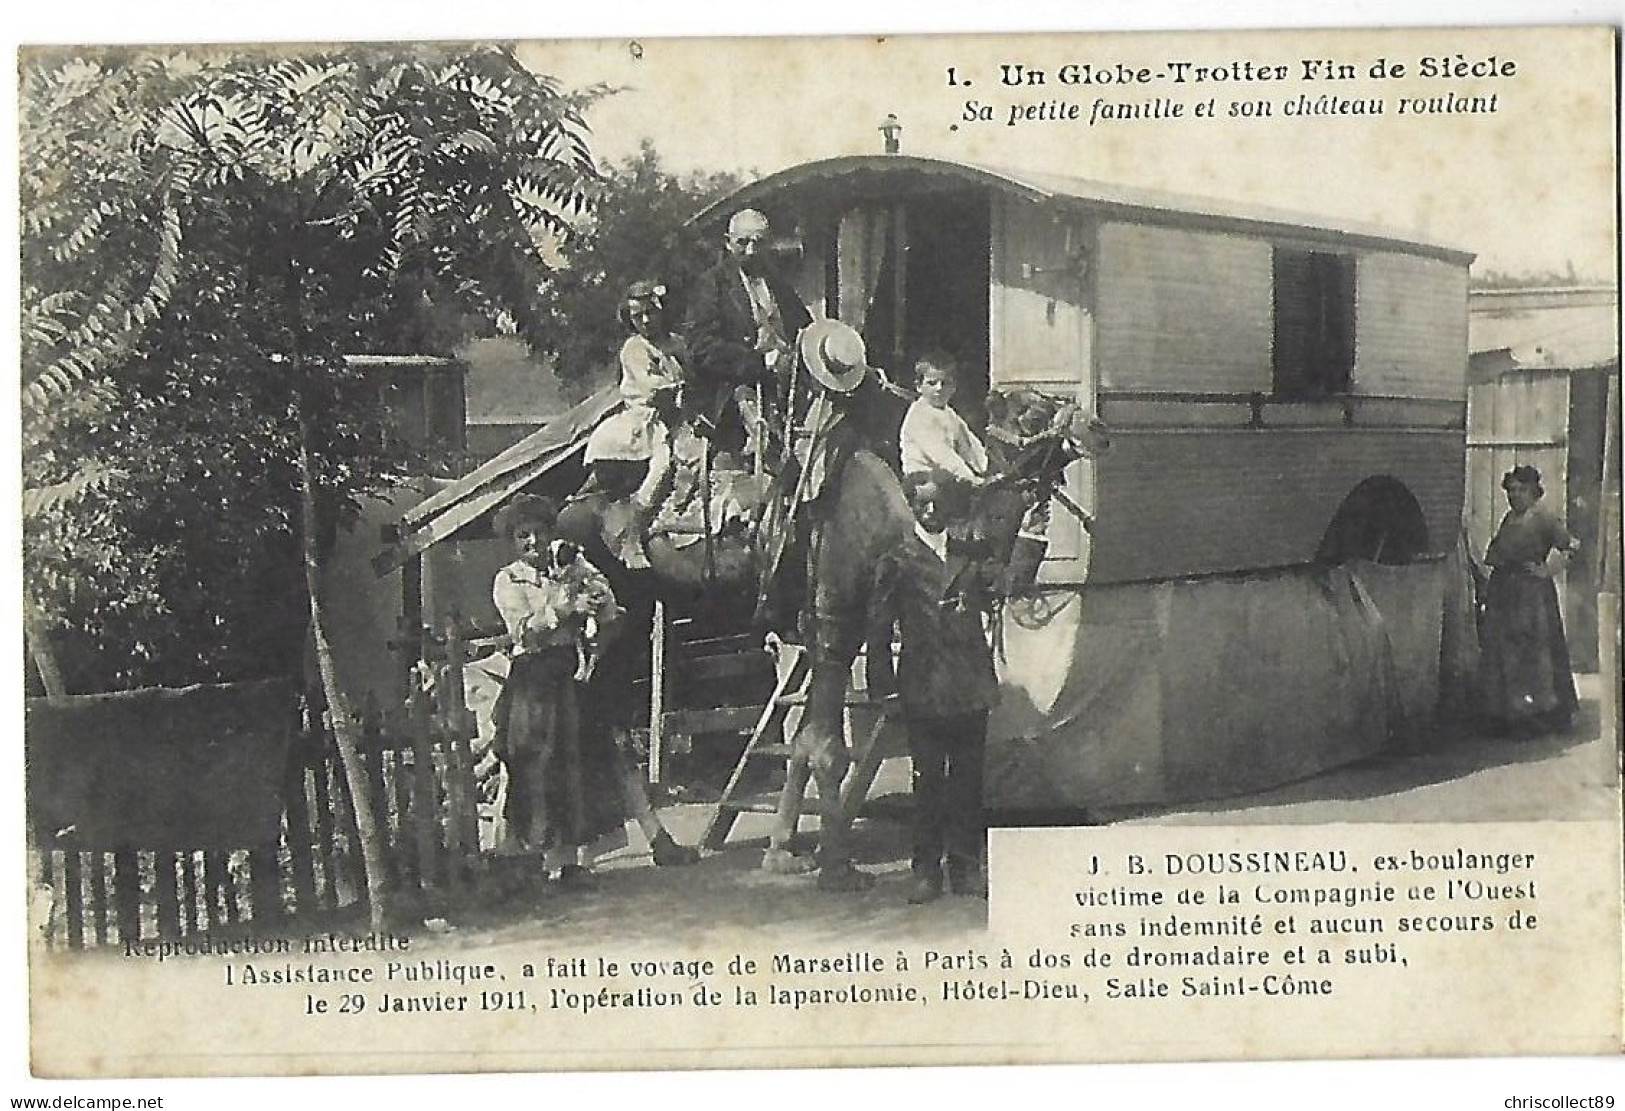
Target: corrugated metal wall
[(1410, 322), (1183, 310), (1177, 503)]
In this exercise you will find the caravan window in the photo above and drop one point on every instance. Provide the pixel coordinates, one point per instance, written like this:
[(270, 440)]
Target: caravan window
[(1314, 322)]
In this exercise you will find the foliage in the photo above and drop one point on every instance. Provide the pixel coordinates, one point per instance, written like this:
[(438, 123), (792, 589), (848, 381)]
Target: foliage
[(1528, 279), (205, 236), (639, 230)]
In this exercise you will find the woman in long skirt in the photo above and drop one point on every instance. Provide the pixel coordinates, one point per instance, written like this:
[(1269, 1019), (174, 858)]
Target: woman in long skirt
[(562, 776), (1527, 683)]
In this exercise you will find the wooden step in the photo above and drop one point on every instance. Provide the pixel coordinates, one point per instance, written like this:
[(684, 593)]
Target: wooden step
[(853, 698), (751, 804), (763, 803), (757, 662), (719, 719), (716, 646)]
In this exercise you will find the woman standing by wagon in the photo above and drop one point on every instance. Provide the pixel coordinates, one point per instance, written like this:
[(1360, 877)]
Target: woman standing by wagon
[(1527, 682), (562, 783)]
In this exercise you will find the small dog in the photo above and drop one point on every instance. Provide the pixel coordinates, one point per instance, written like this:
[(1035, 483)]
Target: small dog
[(562, 556)]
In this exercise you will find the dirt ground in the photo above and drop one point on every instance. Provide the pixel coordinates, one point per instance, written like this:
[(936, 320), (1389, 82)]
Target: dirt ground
[(1454, 776)]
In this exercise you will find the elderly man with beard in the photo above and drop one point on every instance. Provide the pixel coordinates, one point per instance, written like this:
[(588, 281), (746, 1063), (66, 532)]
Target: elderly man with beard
[(741, 329)]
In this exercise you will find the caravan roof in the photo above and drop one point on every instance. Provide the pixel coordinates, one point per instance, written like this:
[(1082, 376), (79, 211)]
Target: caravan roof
[(880, 174)]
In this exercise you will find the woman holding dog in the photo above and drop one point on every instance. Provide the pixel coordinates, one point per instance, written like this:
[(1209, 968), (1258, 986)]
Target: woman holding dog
[(568, 785), (561, 789)]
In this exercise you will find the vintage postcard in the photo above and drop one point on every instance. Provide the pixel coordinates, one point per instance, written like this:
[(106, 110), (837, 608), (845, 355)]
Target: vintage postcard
[(843, 551)]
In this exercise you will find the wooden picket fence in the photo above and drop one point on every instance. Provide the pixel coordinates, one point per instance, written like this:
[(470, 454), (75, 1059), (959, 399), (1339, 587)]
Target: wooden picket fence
[(419, 770)]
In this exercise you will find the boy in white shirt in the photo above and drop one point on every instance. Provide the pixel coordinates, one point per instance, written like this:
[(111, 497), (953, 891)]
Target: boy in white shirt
[(935, 439)]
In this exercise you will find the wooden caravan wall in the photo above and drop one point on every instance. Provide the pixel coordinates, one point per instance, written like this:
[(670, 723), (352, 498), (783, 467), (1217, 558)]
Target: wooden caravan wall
[(810, 271), (1042, 335), (1183, 311), (1410, 320), (1209, 472), (1176, 502)]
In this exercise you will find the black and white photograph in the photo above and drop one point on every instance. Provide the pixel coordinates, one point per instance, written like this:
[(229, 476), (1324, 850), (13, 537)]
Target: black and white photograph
[(853, 550)]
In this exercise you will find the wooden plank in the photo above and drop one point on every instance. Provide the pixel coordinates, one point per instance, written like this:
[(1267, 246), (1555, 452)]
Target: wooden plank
[(711, 646), (165, 895), (471, 794), (217, 883), (755, 661), (451, 823), (1121, 412), (405, 848), (1515, 443), (791, 668), (127, 894), (886, 739), (264, 885), (424, 803), (1411, 321), (718, 719), (657, 691), (1038, 320), (464, 825), (192, 918), (50, 872), (1174, 309), (98, 896), (1240, 500), (462, 833), (297, 834), (326, 849), (74, 890)]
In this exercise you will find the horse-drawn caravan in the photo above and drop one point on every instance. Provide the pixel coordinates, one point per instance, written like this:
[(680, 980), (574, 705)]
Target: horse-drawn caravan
[(1254, 582)]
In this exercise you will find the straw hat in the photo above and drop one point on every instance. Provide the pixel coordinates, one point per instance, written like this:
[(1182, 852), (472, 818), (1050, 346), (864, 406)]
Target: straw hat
[(834, 355)]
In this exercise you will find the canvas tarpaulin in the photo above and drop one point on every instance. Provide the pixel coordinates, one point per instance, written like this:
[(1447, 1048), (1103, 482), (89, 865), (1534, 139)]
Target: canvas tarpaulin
[(196, 768), (1155, 692)]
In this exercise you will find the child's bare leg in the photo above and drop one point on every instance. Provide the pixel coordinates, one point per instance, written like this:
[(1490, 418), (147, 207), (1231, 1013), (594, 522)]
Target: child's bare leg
[(779, 857)]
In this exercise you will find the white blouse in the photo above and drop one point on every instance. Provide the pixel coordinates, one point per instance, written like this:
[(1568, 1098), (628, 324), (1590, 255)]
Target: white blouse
[(546, 609), (938, 439)]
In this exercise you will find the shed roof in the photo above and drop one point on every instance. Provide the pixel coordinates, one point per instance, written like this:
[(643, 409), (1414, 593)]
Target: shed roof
[(1568, 328), (1156, 204), (495, 480)]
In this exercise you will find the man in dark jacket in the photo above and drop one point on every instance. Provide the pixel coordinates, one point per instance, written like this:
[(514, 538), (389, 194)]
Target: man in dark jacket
[(741, 327), (946, 684)]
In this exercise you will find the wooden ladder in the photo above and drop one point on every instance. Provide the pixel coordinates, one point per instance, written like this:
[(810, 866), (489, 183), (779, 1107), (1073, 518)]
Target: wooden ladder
[(767, 741)]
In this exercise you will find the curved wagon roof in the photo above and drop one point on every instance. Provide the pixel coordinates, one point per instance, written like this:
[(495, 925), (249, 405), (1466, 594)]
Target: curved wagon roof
[(841, 181), (881, 175)]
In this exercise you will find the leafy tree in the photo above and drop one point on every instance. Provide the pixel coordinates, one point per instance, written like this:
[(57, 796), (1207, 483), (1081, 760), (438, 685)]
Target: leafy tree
[(1529, 279), (205, 238), (639, 230)]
